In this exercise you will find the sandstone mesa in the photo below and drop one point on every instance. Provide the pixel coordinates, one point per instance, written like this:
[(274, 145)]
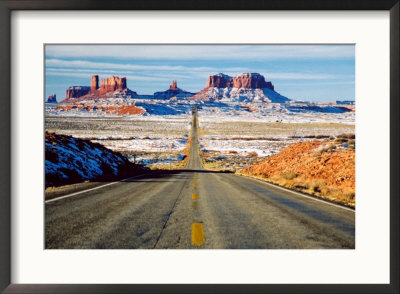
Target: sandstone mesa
[(111, 87), (245, 87), (52, 98)]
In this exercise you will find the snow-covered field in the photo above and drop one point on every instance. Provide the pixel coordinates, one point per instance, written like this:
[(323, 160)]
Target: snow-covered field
[(263, 133), (143, 139), (150, 144), (108, 107), (226, 129), (273, 112), (264, 138)]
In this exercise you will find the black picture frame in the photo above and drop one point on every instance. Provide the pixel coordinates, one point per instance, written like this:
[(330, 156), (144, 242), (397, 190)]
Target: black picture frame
[(6, 7)]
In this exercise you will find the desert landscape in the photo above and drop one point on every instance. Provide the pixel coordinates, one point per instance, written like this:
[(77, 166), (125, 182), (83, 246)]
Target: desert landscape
[(238, 129)]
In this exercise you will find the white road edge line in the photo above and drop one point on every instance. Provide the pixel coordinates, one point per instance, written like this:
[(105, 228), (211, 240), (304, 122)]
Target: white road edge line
[(91, 189), (300, 194)]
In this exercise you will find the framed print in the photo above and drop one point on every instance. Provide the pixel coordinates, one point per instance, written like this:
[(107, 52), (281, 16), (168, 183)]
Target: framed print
[(199, 147)]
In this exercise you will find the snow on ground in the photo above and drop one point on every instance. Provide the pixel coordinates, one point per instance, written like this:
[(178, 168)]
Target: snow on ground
[(144, 139), (244, 147), (226, 127), (274, 112), (266, 131), (69, 159), (107, 107), (156, 144)]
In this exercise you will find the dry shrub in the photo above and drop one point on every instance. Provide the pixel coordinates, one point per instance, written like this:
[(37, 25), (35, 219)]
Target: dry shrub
[(289, 175), (340, 140), (346, 136), (352, 144), (317, 186)]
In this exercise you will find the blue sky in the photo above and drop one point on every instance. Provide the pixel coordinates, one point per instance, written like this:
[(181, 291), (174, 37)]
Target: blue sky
[(302, 72)]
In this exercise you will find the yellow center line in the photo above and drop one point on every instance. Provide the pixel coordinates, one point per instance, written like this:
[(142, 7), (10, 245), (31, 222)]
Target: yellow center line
[(197, 234), (195, 196), (194, 184)]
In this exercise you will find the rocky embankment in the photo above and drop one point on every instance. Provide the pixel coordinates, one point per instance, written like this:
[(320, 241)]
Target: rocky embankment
[(70, 160), (322, 168)]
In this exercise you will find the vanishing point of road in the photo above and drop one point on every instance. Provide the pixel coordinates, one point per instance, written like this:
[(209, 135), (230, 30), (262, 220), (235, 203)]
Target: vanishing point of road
[(195, 208)]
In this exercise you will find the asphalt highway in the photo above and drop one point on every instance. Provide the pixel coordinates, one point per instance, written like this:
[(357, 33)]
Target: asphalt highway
[(195, 208)]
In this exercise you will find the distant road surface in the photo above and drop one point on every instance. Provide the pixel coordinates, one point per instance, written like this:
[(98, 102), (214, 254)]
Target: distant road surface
[(195, 208)]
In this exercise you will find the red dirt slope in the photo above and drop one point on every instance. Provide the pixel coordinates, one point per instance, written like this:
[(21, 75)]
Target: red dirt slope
[(322, 168)]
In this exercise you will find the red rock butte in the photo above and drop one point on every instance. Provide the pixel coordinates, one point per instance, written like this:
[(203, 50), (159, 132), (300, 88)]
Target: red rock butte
[(95, 83), (112, 87), (244, 80), (172, 92), (52, 98), (173, 86), (111, 84), (76, 92)]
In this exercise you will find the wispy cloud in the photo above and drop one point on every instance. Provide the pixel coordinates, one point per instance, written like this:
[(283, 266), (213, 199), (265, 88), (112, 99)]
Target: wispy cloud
[(319, 84), (150, 68), (204, 52), (106, 65), (299, 76), (87, 76), (82, 69)]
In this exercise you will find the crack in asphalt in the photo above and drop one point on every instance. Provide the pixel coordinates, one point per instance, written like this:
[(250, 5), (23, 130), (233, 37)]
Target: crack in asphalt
[(169, 214)]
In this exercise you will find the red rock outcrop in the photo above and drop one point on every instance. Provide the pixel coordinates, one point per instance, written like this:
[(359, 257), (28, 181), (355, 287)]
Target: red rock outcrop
[(112, 87), (245, 80), (76, 92), (173, 86), (95, 83), (52, 98), (173, 92), (219, 81), (251, 81), (112, 84), (119, 108), (246, 87)]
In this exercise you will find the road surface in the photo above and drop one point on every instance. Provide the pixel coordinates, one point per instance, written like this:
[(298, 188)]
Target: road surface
[(195, 208)]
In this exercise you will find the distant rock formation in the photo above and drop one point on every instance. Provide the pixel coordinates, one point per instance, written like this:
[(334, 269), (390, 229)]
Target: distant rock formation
[(112, 84), (219, 81), (112, 87), (245, 80), (95, 83), (246, 87), (251, 81), (173, 91), (173, 86), (52, 98), (76, 92)]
